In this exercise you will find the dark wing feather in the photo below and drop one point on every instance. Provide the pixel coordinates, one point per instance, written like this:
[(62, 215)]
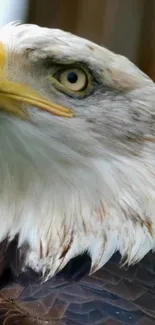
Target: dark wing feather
[(111, 296)]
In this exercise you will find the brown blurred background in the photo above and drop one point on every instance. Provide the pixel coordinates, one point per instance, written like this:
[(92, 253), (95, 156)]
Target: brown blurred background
[(124, 26)]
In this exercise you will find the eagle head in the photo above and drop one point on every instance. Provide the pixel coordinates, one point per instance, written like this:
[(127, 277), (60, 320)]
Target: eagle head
[(77, 162)]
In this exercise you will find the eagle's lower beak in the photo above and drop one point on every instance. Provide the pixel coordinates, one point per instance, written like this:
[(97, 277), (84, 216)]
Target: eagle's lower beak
[(12, 95)]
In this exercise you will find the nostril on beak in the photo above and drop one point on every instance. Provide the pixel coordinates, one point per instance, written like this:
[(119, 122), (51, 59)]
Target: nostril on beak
[(28, 277)]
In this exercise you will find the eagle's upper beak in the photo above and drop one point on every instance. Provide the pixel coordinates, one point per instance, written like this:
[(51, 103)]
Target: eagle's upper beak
[(12, 95)]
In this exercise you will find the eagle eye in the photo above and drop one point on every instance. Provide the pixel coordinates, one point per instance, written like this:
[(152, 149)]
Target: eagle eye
[(74, 81)]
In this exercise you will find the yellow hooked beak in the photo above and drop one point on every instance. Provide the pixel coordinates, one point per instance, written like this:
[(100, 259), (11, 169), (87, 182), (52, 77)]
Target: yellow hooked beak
[(12, 95)]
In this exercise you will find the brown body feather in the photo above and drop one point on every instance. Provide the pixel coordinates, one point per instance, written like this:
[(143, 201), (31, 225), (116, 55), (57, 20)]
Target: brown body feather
[(112, 296)]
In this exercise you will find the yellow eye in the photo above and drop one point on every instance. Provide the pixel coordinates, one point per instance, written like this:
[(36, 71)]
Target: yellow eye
[(74, 79)]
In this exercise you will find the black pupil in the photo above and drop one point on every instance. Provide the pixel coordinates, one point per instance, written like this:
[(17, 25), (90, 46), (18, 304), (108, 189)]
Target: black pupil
[(72, 77)]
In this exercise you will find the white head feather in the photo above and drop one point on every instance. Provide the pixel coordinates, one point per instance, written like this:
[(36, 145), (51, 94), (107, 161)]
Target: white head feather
[(80, 184)]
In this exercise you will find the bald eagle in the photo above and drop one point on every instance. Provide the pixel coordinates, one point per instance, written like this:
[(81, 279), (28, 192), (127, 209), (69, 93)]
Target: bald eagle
[(77, 176)]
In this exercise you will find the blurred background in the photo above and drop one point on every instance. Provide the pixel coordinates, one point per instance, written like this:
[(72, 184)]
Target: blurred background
[(124, 26)]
